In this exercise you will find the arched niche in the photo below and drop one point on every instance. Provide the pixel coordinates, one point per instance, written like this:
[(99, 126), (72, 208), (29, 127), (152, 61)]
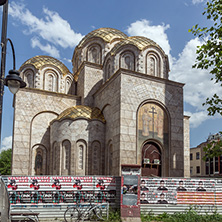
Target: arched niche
[(81, 157), (29, 77), (66, 157), (94, 53), (127, 60), (108, 70), (69, 86), (153, 64), (39, 160), (153, 126), (51, 80), (96, 156)]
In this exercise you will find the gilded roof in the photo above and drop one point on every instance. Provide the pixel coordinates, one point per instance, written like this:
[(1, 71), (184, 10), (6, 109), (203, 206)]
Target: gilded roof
[(107, 34), (39, 61), (91, 113), (139, 41)]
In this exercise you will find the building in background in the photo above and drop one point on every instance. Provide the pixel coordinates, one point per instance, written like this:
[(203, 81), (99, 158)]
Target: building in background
[(210, 167), (116, 107)]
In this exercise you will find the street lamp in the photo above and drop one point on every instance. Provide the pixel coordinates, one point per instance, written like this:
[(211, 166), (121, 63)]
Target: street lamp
[(13, 80)]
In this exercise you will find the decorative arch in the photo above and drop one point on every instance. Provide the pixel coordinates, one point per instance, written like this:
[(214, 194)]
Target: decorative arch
[(96, 157), (94, 53), (153, 126), (127, 60), (153, 64), (29, 77), (151, 159), (66, 157), (108, 70), (81, 157), (39, 160), (51, 82), (69, 86)]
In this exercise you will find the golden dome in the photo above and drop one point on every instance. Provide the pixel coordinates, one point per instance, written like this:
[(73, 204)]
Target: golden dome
[(39, 61), (107, 34), (91, 113), (139, 41)]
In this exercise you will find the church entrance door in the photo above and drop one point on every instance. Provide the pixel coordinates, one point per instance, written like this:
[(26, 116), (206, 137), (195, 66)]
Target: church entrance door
[(151, 160)]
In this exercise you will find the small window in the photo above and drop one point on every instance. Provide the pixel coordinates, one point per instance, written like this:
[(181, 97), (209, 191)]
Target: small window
[(191, 170), (191, 156), (197, 156), (198, 169)]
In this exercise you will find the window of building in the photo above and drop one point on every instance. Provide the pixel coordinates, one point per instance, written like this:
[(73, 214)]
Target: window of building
[(198, 169), (207, 168), (211, 165), (191, 156), (220, 164), (197, 155), (191, 170), (216, 165)]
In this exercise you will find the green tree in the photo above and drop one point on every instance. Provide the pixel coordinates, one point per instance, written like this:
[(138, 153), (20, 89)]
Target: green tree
[(209, 54), (213, 148), (5, 162)]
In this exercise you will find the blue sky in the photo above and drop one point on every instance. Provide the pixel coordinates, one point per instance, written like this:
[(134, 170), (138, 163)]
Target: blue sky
[(54, 27)]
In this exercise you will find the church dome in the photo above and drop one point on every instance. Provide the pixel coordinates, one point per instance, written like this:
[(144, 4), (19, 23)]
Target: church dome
[(107, 34), (39, 61), (139, 41), (90, 113)]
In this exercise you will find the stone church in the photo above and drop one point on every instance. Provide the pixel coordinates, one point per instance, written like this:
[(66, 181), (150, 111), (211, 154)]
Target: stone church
[(116, 107)]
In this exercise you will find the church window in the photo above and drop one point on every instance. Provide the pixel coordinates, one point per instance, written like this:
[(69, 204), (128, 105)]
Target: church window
[(66, 154), (29, 79), (127, 61), (108, 71), (51, 81), (94, 54), (68, 85), (81, 153), (153, 64), (96, 154), (38, 162)]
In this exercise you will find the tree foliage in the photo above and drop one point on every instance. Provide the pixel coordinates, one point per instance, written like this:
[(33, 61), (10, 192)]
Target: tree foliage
[(209, 54), (213, 149), (5, 162)]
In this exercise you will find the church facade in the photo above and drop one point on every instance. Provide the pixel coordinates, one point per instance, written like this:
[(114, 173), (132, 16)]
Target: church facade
[(116, 107)]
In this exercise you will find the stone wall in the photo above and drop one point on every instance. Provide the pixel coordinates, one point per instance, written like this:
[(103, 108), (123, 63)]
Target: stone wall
[(28, 104)]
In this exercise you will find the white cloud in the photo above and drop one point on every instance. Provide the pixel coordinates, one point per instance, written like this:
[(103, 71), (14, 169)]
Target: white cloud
[(197, 1), (51, 50), (51, 28), (6, 143), (153, 32), (198, 85)]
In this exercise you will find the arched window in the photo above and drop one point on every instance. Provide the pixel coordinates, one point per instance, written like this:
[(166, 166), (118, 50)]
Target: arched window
[(153, 64), (94, 54), (39, 160), (96, 158), (51, 81), (66, 145), (29, 78), (81, 160), (108, 70), (127, 61), (69, 86)]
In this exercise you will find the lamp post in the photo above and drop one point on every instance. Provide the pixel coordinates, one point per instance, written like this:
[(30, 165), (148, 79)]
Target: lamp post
[(13, 80)]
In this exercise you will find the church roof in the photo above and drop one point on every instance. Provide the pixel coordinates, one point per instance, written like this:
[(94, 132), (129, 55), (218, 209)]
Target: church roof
[(139, 41), (39, 61), (107, 34), (91, 113)]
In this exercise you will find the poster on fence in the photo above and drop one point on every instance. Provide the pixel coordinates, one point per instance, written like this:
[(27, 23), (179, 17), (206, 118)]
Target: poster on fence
[(59, 189), (177, 191)]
